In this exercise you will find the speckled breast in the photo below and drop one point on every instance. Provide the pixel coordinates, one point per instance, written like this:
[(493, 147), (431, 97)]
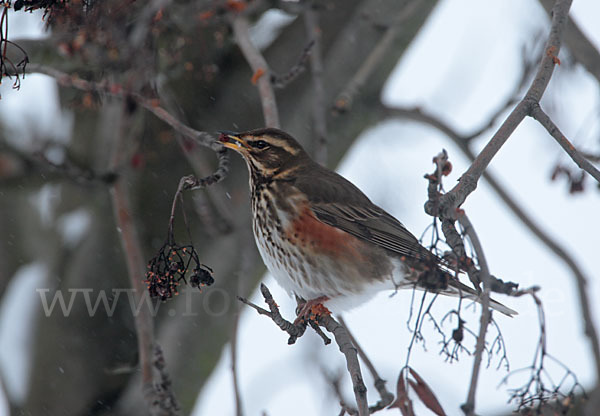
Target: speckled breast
[(307, 257)]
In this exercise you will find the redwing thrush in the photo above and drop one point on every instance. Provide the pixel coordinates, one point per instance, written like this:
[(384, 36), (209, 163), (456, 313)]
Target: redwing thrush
[(321, 237)]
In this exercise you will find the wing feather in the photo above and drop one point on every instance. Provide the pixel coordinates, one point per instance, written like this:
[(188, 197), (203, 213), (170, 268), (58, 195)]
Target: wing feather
[(337, 202), (377, 227)]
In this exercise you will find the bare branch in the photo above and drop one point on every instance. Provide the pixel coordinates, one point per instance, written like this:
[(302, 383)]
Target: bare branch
[(192, 183), (234, 372), (432, 207), (342, 338), (469, 406), (18, 163), (164, 400), (513, 97), (294, 331), (244, 270), (539, 114), (281, 81), (540, 391), (343, 102), (582, 49), (136, 268), (384, 394), (595, 158), (187, 183), (311, 20), (544, 237), (260, 69), (72, 81), (453, 238), (468, 181)]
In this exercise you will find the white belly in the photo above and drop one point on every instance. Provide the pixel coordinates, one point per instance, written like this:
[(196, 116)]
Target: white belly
[(320, 275)]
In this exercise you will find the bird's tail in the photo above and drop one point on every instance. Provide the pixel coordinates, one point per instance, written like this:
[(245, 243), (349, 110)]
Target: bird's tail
[(458, 289)]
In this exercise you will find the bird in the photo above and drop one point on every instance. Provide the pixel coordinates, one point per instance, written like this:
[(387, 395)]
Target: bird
[(323, 239)]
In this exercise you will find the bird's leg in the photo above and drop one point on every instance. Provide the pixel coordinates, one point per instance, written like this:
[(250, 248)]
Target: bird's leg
[(310, 308)]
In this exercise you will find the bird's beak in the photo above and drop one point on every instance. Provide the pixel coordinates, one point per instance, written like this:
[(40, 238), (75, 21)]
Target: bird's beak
[(233, 141)]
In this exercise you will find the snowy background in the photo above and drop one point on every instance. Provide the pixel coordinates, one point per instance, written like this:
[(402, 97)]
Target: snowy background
[(463, 65)]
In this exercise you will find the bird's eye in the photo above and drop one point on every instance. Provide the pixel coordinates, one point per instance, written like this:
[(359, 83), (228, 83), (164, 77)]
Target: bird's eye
[(259, 144)]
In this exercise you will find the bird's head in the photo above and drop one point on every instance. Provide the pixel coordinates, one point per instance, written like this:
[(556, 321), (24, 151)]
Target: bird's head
[(267, 151)]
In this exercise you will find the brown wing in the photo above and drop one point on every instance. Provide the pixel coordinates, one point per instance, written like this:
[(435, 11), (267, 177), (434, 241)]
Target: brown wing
[(337, 202)]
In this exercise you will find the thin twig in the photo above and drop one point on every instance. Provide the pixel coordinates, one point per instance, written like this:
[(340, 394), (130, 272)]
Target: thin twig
[(294, 331), (193, 183), (72, 81), (539, 114), (540, 392), (281, 81), (513, 98), (200, 137), (36, 161), (260, 69), (432, 207), (476, 275), (591, 156)]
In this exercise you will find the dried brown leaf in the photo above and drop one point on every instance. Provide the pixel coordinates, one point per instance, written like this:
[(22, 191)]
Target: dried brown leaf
[(426, 394), (402, 401)]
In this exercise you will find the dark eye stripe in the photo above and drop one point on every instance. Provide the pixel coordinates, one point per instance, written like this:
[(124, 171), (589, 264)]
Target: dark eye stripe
[(259, 144)]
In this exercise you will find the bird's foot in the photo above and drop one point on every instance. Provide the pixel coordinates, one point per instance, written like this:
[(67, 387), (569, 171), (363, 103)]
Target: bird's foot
[(311, 309)]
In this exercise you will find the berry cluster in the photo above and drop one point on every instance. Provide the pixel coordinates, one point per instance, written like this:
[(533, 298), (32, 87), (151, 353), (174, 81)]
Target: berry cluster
[(170, 266)]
